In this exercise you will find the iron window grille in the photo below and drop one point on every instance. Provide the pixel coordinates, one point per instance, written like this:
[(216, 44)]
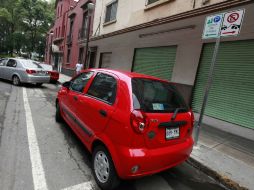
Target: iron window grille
[(111, 10), (151, 1), (68, 55), (83, 30)]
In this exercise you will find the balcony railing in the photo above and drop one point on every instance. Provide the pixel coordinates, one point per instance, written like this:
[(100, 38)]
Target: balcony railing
[(59, 39)]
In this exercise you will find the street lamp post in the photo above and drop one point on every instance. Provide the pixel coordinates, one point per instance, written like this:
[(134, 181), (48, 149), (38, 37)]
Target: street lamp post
[(90, 8)]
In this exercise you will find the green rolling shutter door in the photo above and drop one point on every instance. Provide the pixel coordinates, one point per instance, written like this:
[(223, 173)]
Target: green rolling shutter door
[(158, 61), (231, 97)]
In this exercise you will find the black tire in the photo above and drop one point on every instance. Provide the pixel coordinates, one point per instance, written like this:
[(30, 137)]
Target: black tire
[(113, 180), (16, 80), (53, 81), (58, 115), (38, 84)]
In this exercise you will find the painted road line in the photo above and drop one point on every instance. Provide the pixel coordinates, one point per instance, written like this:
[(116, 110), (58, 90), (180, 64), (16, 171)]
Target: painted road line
[(83, 186), (39, 180)]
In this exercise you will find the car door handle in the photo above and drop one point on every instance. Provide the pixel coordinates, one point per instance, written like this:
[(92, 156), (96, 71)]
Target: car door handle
[(75, 98), (103, 113)]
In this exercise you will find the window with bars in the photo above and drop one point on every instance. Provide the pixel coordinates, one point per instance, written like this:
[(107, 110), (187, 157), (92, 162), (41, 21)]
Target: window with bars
[(81, 52), (71, 26), (111, 11), (68, 55), (84, 25), (151, 1)]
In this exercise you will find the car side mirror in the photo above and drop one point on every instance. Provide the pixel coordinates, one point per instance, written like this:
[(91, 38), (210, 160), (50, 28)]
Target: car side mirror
[(67, 84)]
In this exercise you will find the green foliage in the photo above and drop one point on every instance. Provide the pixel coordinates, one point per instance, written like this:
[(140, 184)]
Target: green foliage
[(23, 24), (5, 15)]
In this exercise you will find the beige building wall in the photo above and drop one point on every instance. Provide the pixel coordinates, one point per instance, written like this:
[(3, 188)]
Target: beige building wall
[(134, 12)]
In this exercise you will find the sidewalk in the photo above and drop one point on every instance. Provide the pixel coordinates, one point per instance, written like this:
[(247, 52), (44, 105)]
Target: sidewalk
[(227, 157), (63, 78)]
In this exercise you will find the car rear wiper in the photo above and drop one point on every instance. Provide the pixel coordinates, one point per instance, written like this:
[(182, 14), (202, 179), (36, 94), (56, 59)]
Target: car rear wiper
[(176, 112)]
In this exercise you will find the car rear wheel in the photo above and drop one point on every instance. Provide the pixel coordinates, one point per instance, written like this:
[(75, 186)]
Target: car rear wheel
[(103, 169), (38, 84), (58, 115), (16, 80), (53, 81)]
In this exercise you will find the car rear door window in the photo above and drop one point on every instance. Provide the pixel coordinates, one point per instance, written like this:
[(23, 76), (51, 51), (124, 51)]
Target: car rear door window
[(156, 96), (46, 67), (103, 87), (79, 83), (11, 63)]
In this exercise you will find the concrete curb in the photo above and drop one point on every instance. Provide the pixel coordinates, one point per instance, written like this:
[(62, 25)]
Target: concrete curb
[(228, 183), (58, 83)]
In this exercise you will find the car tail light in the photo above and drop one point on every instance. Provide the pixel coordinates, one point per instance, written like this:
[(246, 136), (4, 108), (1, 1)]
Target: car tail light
[(190, 129), (138, 121), (55, 74), (192, 119), (30, 71)]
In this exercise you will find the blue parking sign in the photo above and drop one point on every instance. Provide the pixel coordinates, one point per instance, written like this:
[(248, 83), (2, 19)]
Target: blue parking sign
[(217, 19), (212, 26)]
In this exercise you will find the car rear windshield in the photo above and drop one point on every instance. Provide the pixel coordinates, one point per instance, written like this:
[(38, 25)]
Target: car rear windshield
[(156, 97), (46, 67), (30, 64)]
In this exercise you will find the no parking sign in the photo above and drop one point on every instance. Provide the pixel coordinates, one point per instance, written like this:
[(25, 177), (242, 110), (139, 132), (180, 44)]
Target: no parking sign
[(232, 23)]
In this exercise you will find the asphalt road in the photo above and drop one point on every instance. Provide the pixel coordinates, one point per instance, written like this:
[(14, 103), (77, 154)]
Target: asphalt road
[(38, 153)]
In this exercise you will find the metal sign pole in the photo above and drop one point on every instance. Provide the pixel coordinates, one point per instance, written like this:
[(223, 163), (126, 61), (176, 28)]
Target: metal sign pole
[(208, 86)]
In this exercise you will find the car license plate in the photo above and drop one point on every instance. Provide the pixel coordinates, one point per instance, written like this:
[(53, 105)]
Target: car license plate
[(172, 133), (41, 72)]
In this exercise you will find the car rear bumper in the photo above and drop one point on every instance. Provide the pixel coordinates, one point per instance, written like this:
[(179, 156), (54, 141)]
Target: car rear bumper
[(53, 78), (150, 161), (36, 79)]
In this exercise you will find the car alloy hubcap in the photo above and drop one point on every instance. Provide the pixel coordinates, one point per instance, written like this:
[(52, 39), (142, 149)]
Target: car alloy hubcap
[(101, 166), (15, 80)]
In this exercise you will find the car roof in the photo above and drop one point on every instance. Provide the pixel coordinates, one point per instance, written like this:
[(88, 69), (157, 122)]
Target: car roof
[(17, 58), (123, 74), (44, 64)]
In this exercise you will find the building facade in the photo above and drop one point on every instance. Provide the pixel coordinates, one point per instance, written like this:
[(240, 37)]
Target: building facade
[(163, 38), (66, 40), (55, 43)]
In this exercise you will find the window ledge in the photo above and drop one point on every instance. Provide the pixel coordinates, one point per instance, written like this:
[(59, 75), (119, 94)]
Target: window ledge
[(109, 22), (156, 4)]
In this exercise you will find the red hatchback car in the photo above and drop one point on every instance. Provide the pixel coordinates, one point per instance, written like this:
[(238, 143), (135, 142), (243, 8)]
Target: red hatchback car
[(134, 125)]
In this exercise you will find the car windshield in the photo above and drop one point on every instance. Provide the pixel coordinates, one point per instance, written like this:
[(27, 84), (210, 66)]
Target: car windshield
[(30, 64), (2, 62), (46, 67), (156, 97)]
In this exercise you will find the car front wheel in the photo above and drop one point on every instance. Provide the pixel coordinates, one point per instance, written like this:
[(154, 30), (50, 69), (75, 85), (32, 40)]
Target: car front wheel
[(103, 169)]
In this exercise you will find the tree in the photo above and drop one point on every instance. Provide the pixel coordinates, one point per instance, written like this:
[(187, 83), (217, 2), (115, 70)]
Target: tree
[(36, 16), (23, 23), (9, 20)]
